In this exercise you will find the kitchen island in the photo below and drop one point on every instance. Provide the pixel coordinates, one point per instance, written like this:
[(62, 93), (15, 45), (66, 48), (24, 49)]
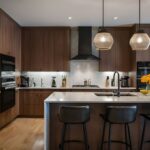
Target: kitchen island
[(97, 104)]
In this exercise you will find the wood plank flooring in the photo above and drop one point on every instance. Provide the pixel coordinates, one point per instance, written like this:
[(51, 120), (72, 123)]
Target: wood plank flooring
[(23, 134)]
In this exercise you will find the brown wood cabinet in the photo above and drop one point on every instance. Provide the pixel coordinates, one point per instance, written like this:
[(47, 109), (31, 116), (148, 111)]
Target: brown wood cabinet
[(61, 50), (143, 55), (119, 57), (10, 38), (10, 114), (32, 102), (45, 48), (10, 44)]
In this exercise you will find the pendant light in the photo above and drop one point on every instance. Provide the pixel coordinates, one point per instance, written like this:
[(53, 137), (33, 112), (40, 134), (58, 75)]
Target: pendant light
[(103, 40), (140, 40)]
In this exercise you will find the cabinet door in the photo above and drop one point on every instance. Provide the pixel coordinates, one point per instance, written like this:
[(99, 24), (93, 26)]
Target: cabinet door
[(26, 49), (108, 57), (45, 49), (144, 55), (123, 50), (6, 30), (17, 47), (37, 47), (48, 49), (61, 49), (32, 102), (35, 50), (119, 57), (10, 38)]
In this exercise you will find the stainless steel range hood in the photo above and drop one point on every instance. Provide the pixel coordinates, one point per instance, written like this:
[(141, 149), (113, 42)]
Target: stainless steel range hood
[(85, 44)]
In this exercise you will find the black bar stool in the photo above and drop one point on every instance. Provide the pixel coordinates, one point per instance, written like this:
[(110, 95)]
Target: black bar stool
[(74, 115), (123, 115), (146, 118)]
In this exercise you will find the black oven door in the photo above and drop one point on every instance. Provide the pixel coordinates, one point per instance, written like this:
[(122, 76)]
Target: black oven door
[(7, 98)]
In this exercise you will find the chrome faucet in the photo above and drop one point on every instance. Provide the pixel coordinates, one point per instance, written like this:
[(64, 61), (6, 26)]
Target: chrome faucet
[(118, 91)]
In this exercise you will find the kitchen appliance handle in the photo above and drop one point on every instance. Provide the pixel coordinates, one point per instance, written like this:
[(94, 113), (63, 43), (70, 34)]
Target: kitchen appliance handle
[(8, 88)]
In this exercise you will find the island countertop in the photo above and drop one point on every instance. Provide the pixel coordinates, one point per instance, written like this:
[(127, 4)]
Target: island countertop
[(90, 97), (97, 104)]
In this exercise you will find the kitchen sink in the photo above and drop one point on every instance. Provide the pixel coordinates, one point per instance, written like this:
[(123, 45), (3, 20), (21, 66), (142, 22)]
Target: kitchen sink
[(113, 94)]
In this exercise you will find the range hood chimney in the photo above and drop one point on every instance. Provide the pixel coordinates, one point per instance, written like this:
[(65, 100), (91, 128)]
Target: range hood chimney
[(85, 44)]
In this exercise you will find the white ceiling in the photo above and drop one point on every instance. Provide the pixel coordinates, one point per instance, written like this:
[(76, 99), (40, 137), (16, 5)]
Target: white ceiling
[(83, 12)]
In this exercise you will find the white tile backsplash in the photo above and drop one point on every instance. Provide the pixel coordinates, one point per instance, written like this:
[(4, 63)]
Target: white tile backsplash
[(79, 71), (46, 77)]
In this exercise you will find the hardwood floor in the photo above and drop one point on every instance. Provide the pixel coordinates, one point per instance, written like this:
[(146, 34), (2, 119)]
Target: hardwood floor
[(23, 134)]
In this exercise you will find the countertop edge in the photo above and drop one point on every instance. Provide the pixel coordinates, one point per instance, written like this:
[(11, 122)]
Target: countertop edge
[(72, 88), (74, 97)]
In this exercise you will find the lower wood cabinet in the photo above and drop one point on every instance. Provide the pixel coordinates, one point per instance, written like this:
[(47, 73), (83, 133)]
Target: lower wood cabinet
[(9, 115), (32, 102)]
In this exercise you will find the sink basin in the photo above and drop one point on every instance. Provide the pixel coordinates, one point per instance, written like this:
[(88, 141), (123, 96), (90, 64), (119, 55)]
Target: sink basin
[(104, 94), (112, 94)]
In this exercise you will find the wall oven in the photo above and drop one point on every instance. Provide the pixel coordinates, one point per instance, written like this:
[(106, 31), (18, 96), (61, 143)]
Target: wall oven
[(7, 82)]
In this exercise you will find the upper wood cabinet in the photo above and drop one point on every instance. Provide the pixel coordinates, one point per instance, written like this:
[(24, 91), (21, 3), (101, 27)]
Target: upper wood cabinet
[(119, 58), (10, 38), (45, 48), (143, 55), (61, 49)]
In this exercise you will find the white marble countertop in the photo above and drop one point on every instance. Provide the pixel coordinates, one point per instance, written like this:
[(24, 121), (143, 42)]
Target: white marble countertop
[(90, 97), (75, 88)]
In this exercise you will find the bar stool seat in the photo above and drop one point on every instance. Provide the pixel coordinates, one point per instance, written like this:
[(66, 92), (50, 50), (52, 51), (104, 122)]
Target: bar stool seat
[(123, 115), (74, 115), (146, 118)]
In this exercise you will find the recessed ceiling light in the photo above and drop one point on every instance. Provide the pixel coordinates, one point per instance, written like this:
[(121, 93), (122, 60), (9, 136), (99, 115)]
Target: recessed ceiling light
[(69, 18), (115, 18)]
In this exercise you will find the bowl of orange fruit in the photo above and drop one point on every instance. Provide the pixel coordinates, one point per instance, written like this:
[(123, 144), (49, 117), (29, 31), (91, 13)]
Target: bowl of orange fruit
[(145, 92)]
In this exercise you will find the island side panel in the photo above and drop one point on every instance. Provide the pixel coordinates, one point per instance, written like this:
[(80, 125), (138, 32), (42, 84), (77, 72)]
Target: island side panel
[(47, 119), (94, 128)]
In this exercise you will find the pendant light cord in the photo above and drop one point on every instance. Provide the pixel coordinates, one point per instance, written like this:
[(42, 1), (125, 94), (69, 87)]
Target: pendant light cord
[(103, 14), (139, 14)]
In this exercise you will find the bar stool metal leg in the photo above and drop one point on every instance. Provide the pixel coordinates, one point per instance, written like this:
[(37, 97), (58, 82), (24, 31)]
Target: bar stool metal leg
[(103, 135), (109, 137), (143, 133), (61, 146), (129, 137), (126, 139), (85, 137)]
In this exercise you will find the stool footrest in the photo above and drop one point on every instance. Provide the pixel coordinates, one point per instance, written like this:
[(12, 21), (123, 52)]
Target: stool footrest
[(73, 141), (147, 141), (117, 141)]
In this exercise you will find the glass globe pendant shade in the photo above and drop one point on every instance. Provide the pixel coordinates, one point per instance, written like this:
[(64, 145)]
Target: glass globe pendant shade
[(140, 41), (103, 41)]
